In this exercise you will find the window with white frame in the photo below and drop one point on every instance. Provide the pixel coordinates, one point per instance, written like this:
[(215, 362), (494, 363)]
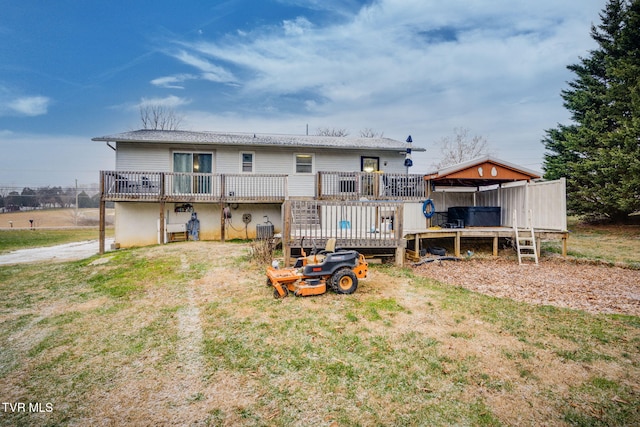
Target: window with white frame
[(247, 162), (304, 163)]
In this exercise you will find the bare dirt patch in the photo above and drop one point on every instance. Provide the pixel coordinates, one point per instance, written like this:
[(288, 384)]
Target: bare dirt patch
[(592, 288)]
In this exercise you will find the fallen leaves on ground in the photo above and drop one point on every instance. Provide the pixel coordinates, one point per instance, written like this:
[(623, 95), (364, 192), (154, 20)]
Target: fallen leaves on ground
[(561, 283)]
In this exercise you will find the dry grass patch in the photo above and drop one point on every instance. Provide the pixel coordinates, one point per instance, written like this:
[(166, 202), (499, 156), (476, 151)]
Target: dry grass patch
[(188, 334)]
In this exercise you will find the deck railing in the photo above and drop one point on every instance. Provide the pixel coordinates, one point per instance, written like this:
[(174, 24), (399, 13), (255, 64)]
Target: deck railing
[(354, 224), (371, 186), (182, 186), (178, 186)]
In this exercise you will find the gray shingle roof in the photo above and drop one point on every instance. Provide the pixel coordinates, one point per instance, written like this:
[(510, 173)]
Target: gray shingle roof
[(257, 139)]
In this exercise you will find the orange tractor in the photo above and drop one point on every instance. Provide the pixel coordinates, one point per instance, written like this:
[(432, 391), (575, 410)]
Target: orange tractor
[(337, 269)]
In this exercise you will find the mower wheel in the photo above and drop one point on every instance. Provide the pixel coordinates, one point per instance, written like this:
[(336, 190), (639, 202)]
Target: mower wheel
[(344, 281), (276, 294)]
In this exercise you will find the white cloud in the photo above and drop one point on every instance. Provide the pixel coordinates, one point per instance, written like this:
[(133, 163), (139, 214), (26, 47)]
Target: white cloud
[(422, 67), (171, 101), (172, 82), (29, 105), (212, 71), (297, 27)]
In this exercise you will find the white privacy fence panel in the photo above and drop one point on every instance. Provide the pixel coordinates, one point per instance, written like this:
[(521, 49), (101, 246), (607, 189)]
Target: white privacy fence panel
[(547, 201), (413, 217)]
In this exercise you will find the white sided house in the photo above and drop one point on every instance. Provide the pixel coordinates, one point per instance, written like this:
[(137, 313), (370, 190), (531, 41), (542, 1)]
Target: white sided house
[(237, 183), (313, 188)]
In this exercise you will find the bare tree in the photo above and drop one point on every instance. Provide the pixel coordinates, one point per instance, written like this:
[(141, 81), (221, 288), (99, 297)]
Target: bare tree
[(461, 148), (370, 133), (159, 117), (332, 132)]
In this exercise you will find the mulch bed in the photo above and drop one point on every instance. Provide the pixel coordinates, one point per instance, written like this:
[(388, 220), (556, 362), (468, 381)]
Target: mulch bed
[(594, 288)]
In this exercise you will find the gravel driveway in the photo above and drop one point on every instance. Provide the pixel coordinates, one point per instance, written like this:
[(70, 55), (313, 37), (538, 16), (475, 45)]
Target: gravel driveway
[(66, 252)]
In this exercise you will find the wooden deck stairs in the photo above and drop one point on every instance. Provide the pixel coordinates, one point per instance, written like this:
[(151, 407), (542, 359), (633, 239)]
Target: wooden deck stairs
[(525, 240), (306, 216)]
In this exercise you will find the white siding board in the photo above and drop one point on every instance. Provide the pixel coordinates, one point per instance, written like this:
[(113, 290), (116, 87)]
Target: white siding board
[(133, 157)]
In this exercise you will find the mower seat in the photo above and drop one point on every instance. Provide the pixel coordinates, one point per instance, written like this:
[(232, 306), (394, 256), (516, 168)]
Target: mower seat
[(331, 245), (321, 255)]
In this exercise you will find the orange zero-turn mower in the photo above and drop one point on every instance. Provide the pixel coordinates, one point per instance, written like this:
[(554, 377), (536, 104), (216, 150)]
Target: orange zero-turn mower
[(339, 270)]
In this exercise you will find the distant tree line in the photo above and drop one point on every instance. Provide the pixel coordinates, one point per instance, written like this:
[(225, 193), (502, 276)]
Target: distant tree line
[(46, 198)]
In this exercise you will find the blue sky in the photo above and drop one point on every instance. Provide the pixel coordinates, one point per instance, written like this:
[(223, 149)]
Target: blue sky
[(71, 70)]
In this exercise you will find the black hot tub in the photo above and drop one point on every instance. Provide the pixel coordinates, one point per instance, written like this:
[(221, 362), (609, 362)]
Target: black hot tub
[(475, 216)]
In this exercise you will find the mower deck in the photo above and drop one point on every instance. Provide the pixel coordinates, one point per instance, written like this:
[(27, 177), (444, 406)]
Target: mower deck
[(339, 271)]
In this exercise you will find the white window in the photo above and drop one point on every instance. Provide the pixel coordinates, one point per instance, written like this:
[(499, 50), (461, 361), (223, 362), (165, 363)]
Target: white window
[(247, 162), (304, 163)]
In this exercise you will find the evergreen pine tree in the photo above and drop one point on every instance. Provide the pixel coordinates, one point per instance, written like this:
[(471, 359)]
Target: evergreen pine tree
[(599, 153)]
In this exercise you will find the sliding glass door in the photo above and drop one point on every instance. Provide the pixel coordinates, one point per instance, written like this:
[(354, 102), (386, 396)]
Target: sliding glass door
[(190, 169)]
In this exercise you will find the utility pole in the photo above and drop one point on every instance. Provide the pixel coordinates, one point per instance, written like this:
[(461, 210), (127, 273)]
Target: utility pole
[(76, 202)]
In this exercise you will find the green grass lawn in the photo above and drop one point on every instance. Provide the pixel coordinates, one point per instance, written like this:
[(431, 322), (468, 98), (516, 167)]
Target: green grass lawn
[(615, 244), (188, 334)]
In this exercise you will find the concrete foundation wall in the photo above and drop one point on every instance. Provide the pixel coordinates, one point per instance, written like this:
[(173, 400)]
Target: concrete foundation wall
[(137, 224)]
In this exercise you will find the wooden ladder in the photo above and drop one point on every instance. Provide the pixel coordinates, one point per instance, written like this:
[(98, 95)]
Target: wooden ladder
[(525, 245)]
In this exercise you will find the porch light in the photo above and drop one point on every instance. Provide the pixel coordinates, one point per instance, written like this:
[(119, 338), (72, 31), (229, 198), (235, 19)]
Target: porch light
[(407, 156)]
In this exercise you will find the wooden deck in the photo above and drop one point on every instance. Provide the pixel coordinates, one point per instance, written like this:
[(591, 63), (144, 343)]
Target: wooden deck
[(127, 186), (414, 237), (379, 224)]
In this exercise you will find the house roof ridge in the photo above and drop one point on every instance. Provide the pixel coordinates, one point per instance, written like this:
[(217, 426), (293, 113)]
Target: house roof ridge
[(251, 138)]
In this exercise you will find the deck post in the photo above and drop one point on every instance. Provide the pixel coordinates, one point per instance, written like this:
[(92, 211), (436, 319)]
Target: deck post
[(162, 206), (101, 236), (495, 245), (286, 232), (162, 219), (564, 244), (102, 210), (399, 256), (457, 244), (399, 233), (222, 223)]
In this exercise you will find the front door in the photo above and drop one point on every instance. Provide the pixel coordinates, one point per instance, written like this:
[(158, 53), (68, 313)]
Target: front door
[(369, 186)]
